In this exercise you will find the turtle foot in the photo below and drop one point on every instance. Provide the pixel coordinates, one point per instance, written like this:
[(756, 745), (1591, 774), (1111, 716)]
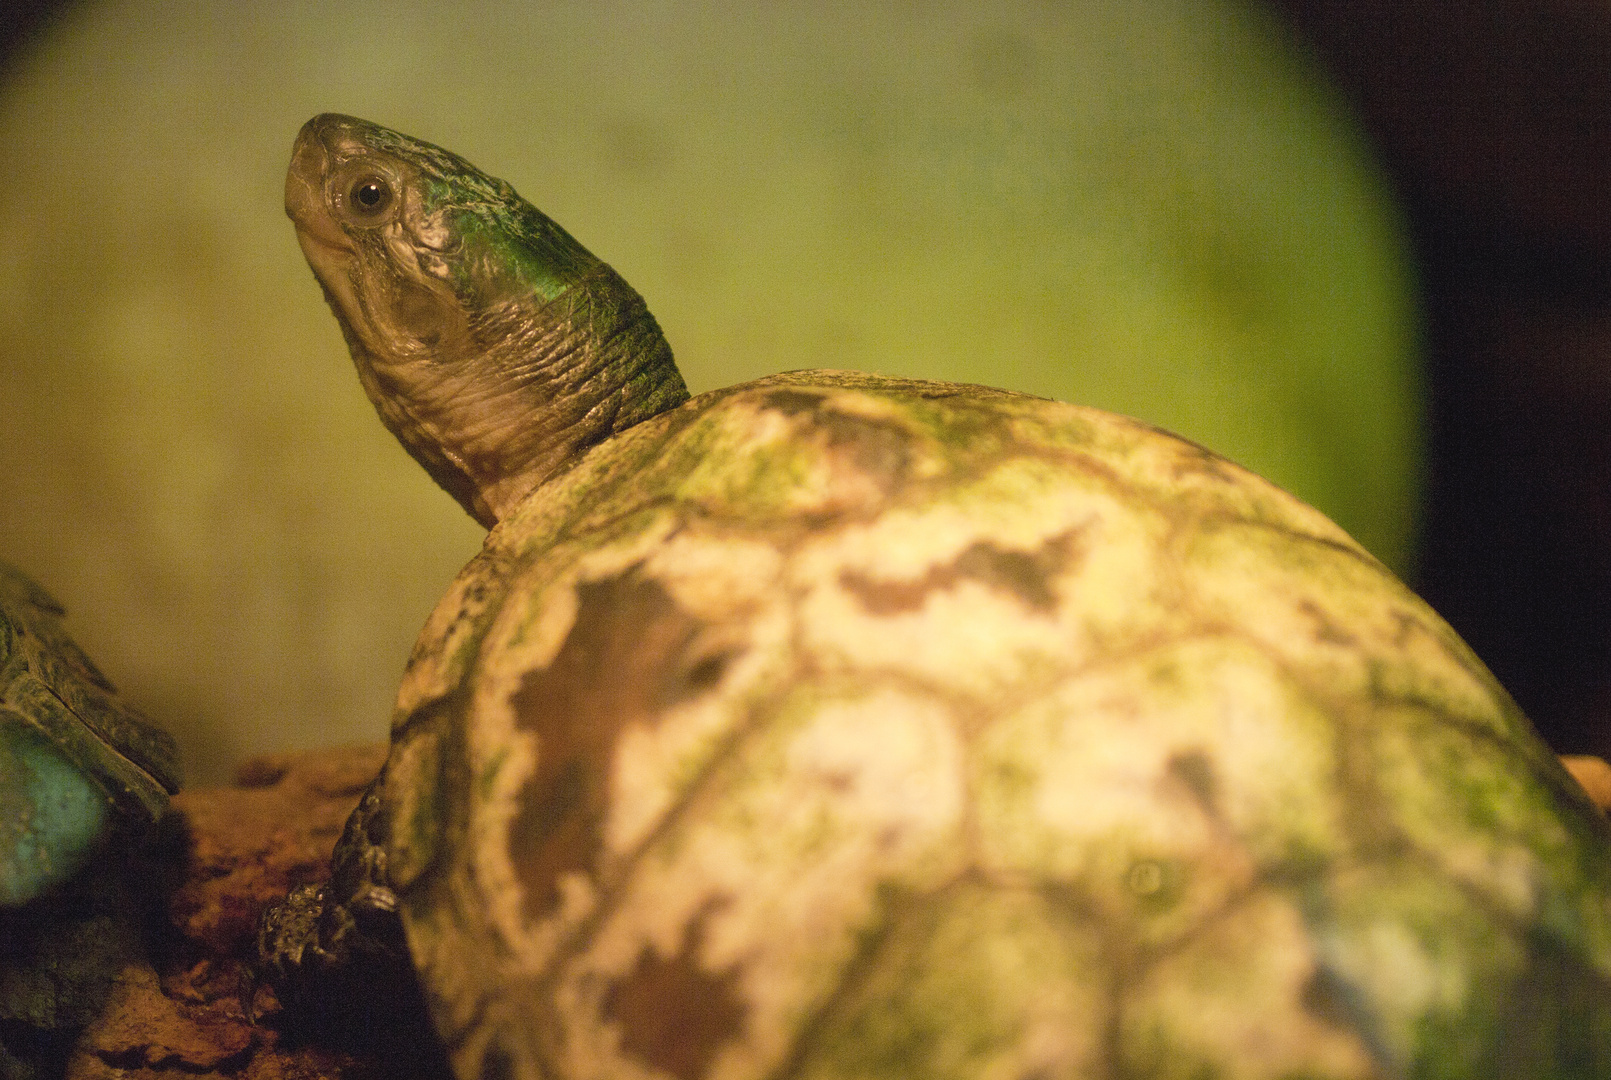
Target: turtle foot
[(335, 957), (329, 942)]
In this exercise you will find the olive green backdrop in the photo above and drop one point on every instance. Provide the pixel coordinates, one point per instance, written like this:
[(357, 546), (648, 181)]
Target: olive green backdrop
[(1147, 205)]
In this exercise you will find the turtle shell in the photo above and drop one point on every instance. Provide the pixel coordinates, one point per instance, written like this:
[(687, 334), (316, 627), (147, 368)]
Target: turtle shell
[(843, 726), (75, 758)]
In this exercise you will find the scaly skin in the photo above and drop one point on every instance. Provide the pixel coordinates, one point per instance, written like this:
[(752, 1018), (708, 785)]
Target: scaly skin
[(74, 757), (843, 726), (494, 346)]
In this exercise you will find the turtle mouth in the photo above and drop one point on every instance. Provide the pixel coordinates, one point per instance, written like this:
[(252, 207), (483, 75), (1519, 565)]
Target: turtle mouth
[(304, 194), (328, 249)]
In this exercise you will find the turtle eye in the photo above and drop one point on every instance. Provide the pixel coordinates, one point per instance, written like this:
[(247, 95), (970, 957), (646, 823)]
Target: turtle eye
[(369, 197)]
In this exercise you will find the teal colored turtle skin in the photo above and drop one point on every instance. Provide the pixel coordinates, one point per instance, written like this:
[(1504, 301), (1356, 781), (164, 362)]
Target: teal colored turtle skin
[(76, 761)]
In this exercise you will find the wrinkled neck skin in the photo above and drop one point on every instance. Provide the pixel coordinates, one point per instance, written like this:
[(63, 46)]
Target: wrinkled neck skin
[(493, 345), (525, 390)]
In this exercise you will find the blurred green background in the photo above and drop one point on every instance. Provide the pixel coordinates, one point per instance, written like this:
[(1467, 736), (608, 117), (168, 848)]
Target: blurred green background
[(1152, 206)]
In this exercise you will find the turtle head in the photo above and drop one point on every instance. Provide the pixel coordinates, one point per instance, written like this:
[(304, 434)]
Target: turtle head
[(493, 345)]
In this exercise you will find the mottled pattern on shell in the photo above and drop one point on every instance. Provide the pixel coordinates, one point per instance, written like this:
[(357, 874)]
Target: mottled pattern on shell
[(839, 726)]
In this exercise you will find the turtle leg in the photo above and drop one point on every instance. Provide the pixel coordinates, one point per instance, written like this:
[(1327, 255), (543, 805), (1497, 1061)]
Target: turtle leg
[(338, 962), (326, 941)]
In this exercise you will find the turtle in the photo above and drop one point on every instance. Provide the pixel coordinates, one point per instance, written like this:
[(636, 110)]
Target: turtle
[(78, 762), (845, 725), (84, 786)]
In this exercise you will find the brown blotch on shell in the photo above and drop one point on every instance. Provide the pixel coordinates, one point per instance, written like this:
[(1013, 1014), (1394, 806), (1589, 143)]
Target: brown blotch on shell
[(1197, 460), (1026, 575), (497, 1064), (878, 449), (674, 1015), (1330, 1001), (1194, 770), (791, 402), (631, 654), (1327, 631)]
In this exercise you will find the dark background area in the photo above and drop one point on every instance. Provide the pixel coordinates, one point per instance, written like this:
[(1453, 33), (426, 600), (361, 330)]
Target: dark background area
[(1494, 121)]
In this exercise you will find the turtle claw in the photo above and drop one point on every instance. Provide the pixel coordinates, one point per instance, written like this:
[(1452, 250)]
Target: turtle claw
[(288, 944), (344, 937), (335, 958)]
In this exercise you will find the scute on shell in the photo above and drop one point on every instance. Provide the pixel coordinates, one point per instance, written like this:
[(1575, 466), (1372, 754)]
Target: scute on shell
[(840, 726)]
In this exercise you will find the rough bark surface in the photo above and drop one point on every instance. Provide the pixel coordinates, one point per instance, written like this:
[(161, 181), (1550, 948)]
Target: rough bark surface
[(179, 997)]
